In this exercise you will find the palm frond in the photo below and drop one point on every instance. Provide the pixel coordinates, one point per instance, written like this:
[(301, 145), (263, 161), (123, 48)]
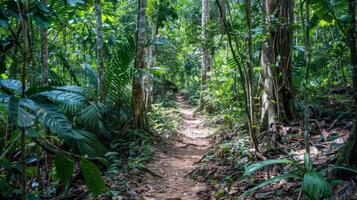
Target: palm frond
[(3, 116), (54, 78), (88, 144), (71, 102), (11, 85), (92, 115), (118, 74)]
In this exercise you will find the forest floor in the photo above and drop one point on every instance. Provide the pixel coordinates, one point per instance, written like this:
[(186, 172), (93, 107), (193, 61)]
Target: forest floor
[(174, 162)]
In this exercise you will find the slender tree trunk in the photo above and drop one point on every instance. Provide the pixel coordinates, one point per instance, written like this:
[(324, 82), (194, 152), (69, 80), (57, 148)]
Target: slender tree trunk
[(228, 27), (205, 54), (138, 90), (24, 24), (268, 113), (307, 66), (252, 115), (64, 37), (44, 53), (151, 61), (349, 153), (100, 51), (152, 49), (44, 81)]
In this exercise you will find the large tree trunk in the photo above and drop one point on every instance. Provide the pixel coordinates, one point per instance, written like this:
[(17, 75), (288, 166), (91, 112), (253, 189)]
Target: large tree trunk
[(100, 51), (350, 151), (205, 53), (268, 113), (283, 48), (138, 90)]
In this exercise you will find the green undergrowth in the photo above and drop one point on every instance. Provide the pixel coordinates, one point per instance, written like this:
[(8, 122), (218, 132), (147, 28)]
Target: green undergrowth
[(224, 164), (129, 154)]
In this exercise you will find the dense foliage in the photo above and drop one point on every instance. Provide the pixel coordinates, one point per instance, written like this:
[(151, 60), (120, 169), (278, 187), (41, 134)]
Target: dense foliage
[(87, 87)]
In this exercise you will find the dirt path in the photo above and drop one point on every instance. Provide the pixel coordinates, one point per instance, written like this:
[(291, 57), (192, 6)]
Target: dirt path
[(175, 162)]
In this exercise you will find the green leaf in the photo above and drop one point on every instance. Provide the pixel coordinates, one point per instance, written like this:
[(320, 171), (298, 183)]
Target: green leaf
[(4, 23), (267, 182), (11, 84), (92, 177), (13, 109), (50, 116), (41, 6), (307, 162), (256, 166), (75, 2), (315, 186), (32, 133), (42, 22), (343, 168), (64, 167)]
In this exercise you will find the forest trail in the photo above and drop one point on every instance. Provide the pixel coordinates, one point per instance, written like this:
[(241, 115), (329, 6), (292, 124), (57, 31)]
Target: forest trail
[(178, 159)]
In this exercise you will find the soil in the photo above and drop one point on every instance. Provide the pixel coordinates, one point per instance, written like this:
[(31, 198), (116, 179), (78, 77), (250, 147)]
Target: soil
[(173, 163)]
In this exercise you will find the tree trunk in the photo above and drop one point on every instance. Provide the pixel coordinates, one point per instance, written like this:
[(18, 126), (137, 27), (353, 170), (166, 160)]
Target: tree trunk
[(252, 115), (44, 53), (151, 61), (100, 51), (242, 75), (283, 49), (268, 113), (205, 54), (138, 90), (307, 67), (350, 151), (24, 24)]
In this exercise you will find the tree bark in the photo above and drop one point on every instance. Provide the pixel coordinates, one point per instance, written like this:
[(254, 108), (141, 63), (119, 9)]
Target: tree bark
[(283, 47), (44, 53), (205, 53), (307, 67), (253, 124), (24, 24), (268, 113), (138, 90), (100, 51), (151, 60)]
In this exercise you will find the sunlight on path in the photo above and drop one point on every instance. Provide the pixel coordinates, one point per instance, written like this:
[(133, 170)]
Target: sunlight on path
[(175, 162)]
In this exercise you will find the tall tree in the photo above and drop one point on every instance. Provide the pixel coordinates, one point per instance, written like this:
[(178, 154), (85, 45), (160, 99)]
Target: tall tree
[(283, 51), (44, 53), (306, 22), (23, 9), (138, 90), (205, 52), (267, 62), (250, 79), (276, 75), (100, 51)]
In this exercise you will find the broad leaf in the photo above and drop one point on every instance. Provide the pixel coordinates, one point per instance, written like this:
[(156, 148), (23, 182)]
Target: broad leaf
[(12, 85), (315, 186), (256, 166), (64, 167), (267, 182), (92, 177)]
